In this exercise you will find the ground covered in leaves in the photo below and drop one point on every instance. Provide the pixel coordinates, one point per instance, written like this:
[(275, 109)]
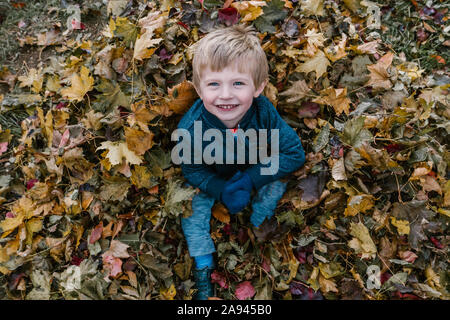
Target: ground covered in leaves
[(91, 203)]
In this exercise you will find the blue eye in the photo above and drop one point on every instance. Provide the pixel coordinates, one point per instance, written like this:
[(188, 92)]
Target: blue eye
[(239, 83), (213, 84)]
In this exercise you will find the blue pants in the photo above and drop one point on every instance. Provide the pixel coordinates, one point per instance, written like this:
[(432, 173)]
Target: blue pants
[(196, 228)]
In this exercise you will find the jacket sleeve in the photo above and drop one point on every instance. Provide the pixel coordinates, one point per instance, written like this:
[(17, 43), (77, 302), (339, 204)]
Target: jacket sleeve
[(291, 155), (200, 176)]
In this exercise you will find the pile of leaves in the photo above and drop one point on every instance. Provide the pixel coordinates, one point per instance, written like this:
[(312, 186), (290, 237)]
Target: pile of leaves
[(91, 202)]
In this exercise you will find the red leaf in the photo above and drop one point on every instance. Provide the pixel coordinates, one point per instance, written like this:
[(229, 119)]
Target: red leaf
[(227, 229), (406, 296), (266, 264), (31, 183), (76, 260), (245, 290), (308, 109), (436, 243), (60, 105), (385, 277), (183, 25), (153, 190), (114, 265), (64, 139), (96, 233), (218, 277), (77, 25), (18, 5), (408, 256), (15, 279), (229, 16), (3, 147), (393, 147), (163, 55)]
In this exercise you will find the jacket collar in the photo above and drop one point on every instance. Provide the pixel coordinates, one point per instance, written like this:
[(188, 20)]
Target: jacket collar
[(215, 122)]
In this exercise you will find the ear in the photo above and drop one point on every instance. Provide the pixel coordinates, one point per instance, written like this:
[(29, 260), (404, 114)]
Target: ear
[(259, 90)]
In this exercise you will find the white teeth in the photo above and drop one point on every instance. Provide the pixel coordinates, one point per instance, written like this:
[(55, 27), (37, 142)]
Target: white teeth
[(228, 106)]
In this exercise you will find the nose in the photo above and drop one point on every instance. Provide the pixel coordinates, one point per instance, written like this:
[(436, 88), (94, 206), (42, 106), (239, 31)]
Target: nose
[(225, 92)]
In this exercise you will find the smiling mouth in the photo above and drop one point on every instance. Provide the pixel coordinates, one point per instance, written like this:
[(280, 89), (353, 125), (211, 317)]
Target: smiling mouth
[(226, 106)]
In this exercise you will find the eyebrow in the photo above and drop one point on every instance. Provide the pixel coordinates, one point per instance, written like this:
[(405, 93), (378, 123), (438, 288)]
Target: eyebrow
[(235, 79)]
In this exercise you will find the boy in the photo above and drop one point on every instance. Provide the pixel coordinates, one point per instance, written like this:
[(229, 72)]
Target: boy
[(230, 71)]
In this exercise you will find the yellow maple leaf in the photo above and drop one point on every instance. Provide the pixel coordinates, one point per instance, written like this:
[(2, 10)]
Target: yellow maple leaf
[(140, 115), (46, 124), (168, 293), (297, 91), (336, 52), (313, 281), (119, 150), (379, 77), (249, 10), (10, 224), (362, 243), (34, 79), (138, 141), (411, 69), (32, 226), (92, 119), (327, 285), (315, 40), (359, 203), (142, 44), (313, 7), (433, 279), (368, 47), (337, 98), (154, 21), (317, 63), (81, 84), (10, 248), (401, 225), (140, 177), (116, 7), (53, 83)]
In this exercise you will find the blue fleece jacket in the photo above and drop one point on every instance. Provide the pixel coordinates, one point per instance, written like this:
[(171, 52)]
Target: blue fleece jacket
[(261, 115)]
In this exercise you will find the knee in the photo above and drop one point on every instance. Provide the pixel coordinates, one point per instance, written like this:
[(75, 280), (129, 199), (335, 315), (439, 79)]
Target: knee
[(272, 192)]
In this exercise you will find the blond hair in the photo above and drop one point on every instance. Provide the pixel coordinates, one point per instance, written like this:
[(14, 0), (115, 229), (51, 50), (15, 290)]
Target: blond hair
[(237, 45)]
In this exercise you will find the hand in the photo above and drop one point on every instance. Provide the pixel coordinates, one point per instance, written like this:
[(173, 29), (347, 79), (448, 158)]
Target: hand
[(236, 201), (240, 181), (236, 194)]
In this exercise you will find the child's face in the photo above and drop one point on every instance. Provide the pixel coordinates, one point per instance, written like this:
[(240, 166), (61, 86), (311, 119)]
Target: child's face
[(228, 94)]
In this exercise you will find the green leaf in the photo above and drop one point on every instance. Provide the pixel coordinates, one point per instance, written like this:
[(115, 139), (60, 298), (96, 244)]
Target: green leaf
[(16, 100), (127, 30), (398, 278), (273, 13), (211, 4), (41, 285), (291, 218), (111, 97), (401, 262), (321, 140), (4, 181), (330, 270), (303, 240), (354, 132), (176, 194)]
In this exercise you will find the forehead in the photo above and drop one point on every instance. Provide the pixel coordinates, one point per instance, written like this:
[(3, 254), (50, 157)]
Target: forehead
[(229, 72)]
